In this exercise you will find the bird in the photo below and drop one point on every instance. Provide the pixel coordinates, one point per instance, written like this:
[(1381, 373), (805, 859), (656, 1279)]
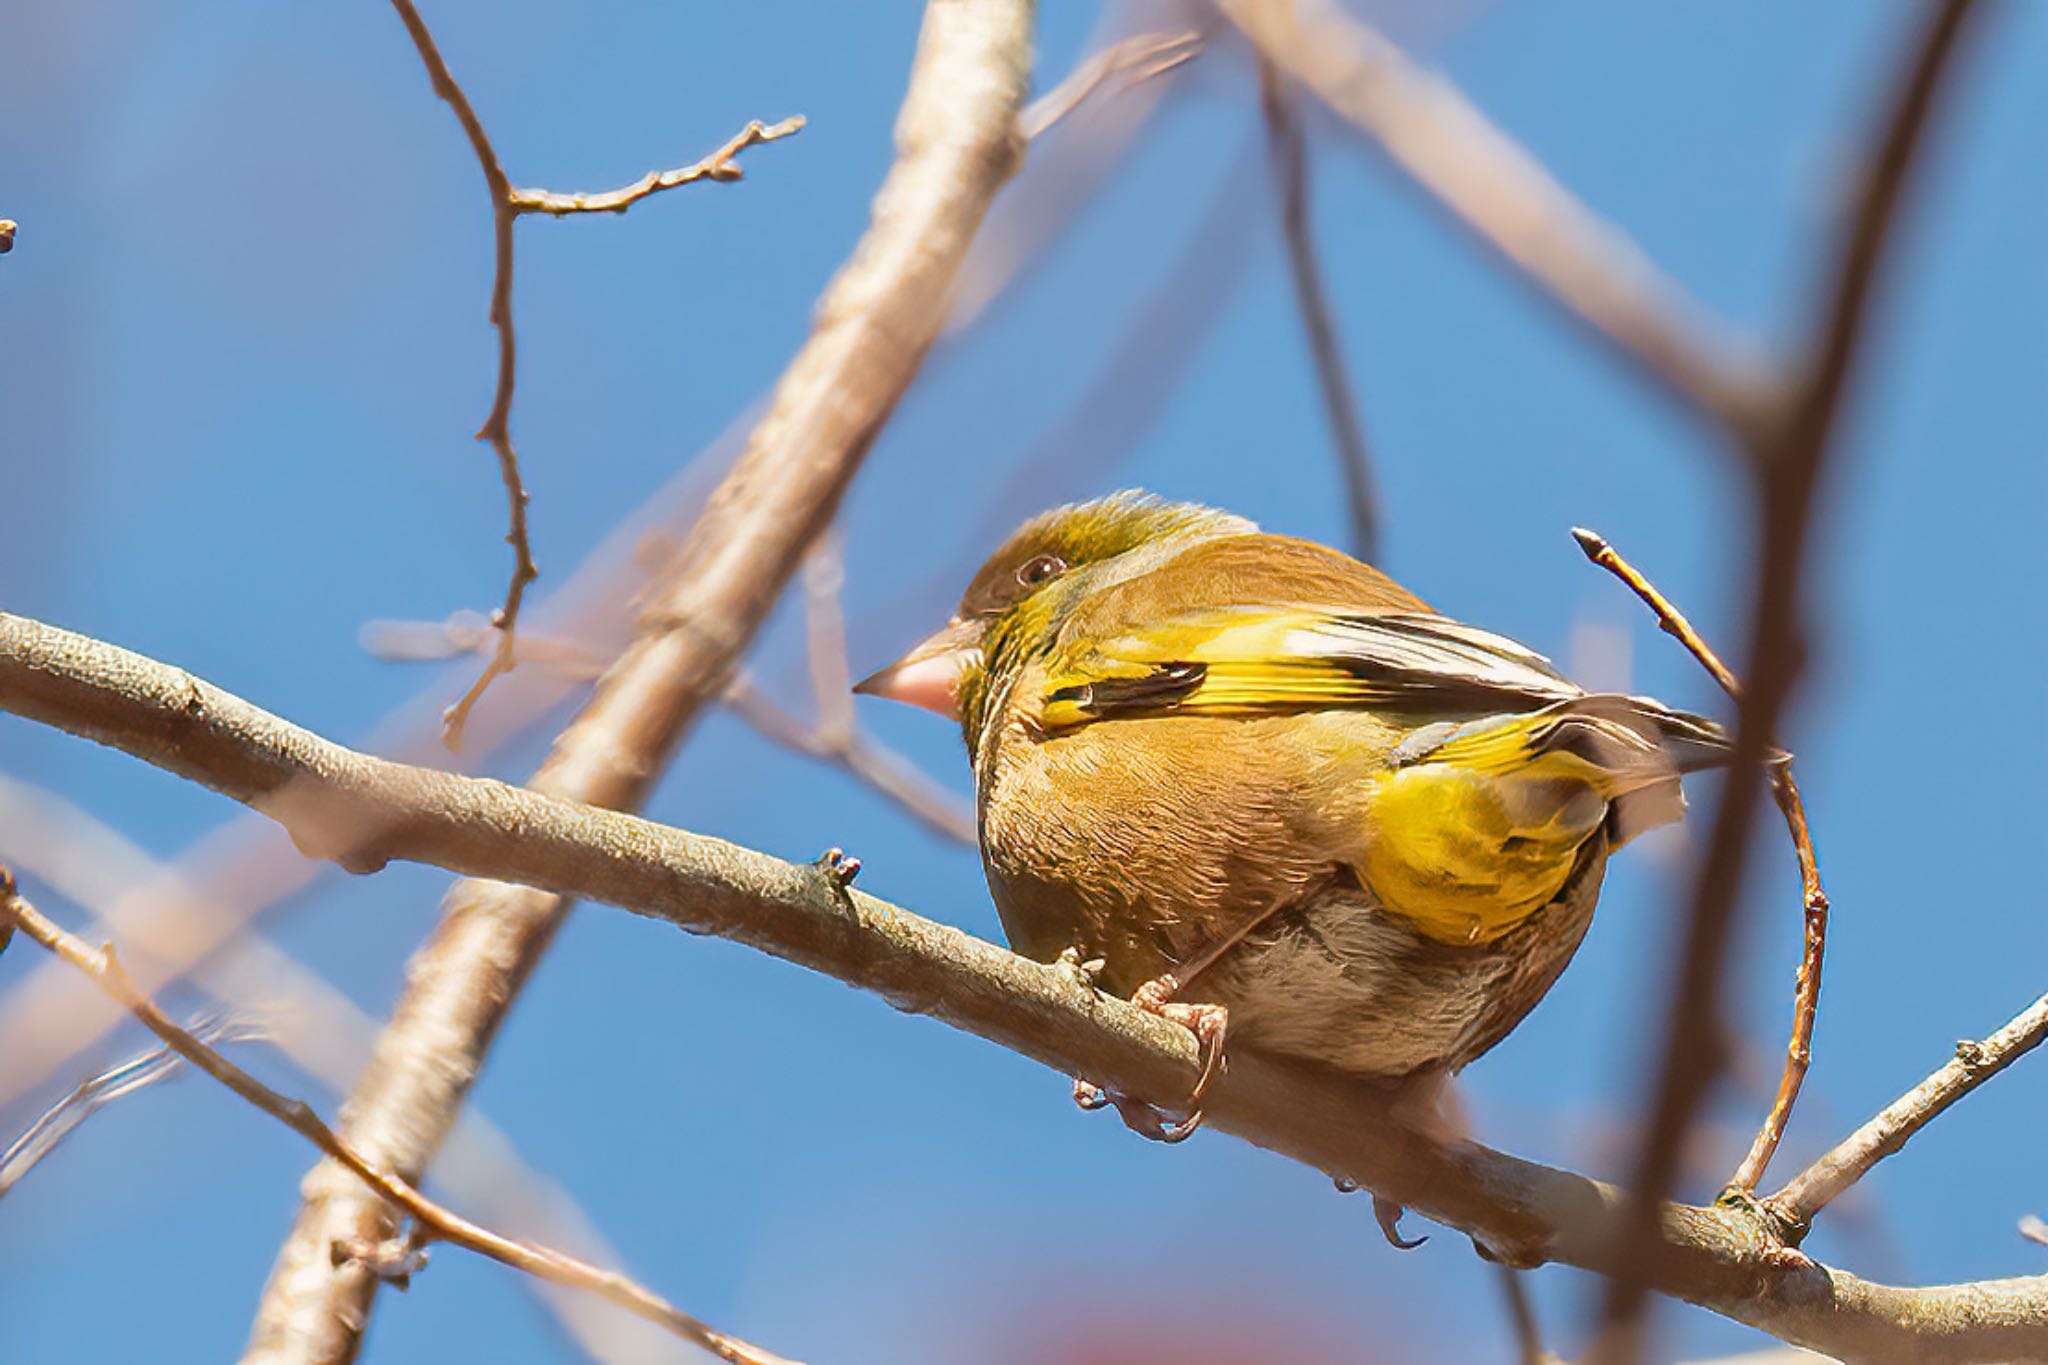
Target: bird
[(1262, 789)]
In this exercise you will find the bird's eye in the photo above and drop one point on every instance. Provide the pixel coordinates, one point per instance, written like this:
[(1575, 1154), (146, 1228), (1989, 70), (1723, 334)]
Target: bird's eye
[(1039, 568)]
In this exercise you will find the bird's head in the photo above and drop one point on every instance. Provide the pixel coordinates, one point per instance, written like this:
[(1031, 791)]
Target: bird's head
[(1018, 600)]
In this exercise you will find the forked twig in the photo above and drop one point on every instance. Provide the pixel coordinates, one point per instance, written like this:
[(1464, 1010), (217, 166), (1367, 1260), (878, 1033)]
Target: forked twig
[(507, 205), (1814, 900), (119, 1081), (1807, 1193), (1134, 60), (431, 1220)]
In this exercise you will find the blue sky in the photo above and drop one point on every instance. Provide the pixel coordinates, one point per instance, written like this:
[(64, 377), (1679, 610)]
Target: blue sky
[(247, 348)]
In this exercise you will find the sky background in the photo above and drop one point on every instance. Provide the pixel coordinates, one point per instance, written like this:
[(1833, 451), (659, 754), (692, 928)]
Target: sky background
[(245, 350)]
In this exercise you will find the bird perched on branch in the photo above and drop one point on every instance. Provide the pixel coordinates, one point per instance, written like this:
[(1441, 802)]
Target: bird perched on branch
[(1270, 792)]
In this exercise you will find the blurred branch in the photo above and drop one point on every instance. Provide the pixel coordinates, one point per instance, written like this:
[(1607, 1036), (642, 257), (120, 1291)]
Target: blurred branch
[(1788, 446), (435, 1221), (718, 166), (957, 142), (325, 1035), (1495, 188), (1522, 1317), (2034, 1229), (364, 811), (1813, 898), (1288, 149), (117, 1082), (1130, 61), (1807, 1193), (837, 737)]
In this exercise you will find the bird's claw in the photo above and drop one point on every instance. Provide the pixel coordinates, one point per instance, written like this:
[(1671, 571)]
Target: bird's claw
[(1388, 1214)]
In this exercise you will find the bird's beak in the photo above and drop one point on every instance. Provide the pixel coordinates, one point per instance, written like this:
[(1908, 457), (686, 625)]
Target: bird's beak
[(929, 675)]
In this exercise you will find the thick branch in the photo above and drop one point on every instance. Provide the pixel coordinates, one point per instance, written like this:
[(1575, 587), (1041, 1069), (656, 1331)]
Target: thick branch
[(956, 144), (365, 810), (431, 1218)]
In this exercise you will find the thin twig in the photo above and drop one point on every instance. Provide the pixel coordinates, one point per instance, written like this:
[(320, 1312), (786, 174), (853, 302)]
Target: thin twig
[(366, 810), (719, 166), (1131, 61), (441, 1223), (497, 427), (1789, 447), (1813, 898), (507, 205), (140, 1072), (1287, 148), (1496, 189), (1807, 1193)]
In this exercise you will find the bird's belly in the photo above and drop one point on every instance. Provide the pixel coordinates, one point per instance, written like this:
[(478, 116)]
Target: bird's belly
[(1343, 984)]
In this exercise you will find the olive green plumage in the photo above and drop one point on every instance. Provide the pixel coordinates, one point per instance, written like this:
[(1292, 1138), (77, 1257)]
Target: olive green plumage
[(1179, 723)]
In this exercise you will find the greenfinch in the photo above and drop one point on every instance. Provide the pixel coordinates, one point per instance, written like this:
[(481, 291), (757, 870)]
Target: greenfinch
[(1257, 783)]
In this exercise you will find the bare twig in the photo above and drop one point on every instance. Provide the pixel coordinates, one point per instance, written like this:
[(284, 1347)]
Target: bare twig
[(1807, 1193), (440, 1223), (1585, 265), (1288, 150), (957, 143), (116, 1082), (366, 810), (1813, 898), (1131, 61), (719, 166), (497, 427), (1789, 446), (507, 204)]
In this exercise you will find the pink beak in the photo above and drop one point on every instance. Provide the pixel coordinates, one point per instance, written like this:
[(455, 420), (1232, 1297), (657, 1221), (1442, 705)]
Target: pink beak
[(929, 675)]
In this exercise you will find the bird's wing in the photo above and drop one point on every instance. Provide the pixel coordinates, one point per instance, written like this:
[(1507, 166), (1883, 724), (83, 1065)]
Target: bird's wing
[(1251, 661)]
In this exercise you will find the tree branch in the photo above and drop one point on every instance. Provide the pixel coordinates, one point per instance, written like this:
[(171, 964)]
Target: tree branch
[(364, 810), (1974, 1063), (1813, 897), (440, 1223), (957, 142)]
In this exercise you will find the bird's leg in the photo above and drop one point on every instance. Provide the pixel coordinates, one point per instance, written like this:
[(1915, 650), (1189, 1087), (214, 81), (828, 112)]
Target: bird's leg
[(1209, 1023)]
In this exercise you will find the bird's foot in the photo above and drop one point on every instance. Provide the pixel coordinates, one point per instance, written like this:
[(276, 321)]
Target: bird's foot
[(1209, 1023)]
